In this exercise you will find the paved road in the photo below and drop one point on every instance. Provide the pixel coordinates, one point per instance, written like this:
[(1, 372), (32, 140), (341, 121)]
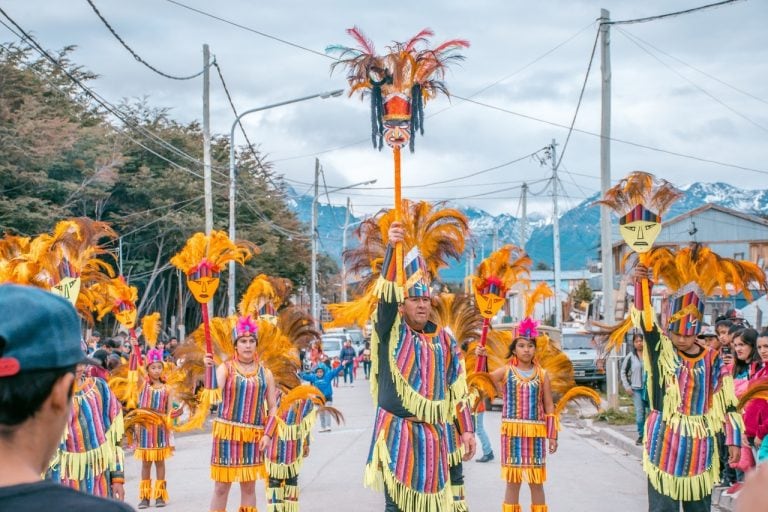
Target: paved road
[(585, 475)]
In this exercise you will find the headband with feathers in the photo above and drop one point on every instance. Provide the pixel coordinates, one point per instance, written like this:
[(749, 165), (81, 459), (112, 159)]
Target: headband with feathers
[(501, 270), (213, 251), (640, 188)]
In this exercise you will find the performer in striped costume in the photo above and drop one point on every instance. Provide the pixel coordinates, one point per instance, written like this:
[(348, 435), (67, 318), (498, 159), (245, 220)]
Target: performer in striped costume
[(239, 437), (529, 425), (90, 458), (154, 441)]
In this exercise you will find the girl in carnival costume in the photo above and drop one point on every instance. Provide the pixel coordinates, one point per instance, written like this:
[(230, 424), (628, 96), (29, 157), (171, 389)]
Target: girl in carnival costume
[(239, 436), (154, 441)]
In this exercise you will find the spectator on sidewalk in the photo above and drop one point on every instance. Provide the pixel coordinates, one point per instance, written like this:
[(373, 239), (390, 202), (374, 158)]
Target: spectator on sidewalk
[(365, 355), (633, 380), (39, 350), (347, 357)]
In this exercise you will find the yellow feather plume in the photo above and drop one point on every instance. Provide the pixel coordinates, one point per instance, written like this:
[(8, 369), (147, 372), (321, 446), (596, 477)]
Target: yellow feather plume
[(556, 363), (217, 249), (278, 353), (507, 266), (536, 296), (109, 295), (577, 393), (483, 384), (638, 188), (259, 292), (150, 328), (357, 312), (458, 314), (300, 393)]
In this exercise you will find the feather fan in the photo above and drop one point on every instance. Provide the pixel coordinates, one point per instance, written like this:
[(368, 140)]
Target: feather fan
[(150, 328), (578, 393)]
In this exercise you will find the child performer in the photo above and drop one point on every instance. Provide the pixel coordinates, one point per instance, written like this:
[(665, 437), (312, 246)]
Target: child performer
[(154, 441), (529, 426)]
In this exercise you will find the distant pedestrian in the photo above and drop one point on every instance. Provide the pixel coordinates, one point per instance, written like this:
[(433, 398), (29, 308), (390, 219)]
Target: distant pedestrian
[(321, 378), (348, 356), (365, 355), (633, 380)]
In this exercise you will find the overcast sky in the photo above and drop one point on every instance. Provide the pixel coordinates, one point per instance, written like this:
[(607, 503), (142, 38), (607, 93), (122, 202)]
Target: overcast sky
[(695, 84)]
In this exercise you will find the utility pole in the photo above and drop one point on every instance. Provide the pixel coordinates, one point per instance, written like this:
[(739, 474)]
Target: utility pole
[(207, 142), (343, 250), (313, 279), (524, 221), (556, 236), (606, 242)]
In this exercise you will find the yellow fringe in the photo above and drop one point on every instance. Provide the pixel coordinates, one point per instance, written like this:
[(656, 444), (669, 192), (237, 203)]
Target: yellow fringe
[(293, 432), (153, 454), (456, 456), (521, 428), (230, 431), (210, 396), (378, 476), (243, 508), (238, 474), (459, 500), (290, 498), (107, 456), (283, 471), (145, 490), (686, 488), (160, 491), (538, 508), (516, 474), (511, 507)]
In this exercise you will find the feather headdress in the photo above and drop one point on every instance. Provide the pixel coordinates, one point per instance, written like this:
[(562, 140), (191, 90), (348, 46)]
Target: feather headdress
[(150, 328), (115, 296), (501, 270), (212, 252), (640, 189), (298, 327), (458, 314), (264, 295), (536, 296), (401, 81)]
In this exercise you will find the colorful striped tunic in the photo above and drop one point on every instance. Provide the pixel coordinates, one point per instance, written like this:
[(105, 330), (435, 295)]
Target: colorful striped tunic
[(692, 399), (419, 386), (239, 426), (154, 442), (523, 427), (90, 451), (286, 453)]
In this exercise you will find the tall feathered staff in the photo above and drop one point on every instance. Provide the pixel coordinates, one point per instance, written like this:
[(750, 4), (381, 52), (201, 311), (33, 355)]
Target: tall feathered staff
[(399, 82), (640, 200), (494, 277), (201, 260)]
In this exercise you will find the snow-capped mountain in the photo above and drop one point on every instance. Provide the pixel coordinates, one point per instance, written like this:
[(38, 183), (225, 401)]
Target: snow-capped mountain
[(579, 226)]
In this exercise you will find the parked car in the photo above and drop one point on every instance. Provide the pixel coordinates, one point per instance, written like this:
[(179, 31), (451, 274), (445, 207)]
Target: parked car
[(357, 336), (332, 344), (347, 333), (580, 348)]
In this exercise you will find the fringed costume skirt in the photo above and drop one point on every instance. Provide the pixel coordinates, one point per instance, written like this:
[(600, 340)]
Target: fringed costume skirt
[(410, 459), (523, 452), (236, 456), (154, 443)]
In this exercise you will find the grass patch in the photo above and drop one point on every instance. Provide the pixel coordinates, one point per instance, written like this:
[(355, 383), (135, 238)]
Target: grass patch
[(616, 417)]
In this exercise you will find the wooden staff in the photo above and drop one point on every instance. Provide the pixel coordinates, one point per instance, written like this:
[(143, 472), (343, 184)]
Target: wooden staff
[(398, 217), (482, 361), (210, 371)]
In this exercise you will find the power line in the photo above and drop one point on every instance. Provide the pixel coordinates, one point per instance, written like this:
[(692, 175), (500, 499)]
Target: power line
[(670, 14), (136, 55), (703, 91), (249, 29), (581, 96), (613, 139)]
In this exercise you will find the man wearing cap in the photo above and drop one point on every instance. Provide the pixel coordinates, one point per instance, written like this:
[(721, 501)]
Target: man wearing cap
[(709, 338), (419, 387), (39, 351)]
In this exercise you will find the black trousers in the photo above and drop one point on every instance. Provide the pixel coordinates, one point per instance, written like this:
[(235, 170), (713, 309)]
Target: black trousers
[(657, 502), (457, 478)]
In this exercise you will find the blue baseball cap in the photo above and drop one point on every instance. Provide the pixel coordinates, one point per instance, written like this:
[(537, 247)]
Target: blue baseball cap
[(38, 331)]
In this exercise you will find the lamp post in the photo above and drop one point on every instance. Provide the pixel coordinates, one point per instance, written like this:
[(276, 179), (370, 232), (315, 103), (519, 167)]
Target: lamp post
[(313, 277), (233, 182)]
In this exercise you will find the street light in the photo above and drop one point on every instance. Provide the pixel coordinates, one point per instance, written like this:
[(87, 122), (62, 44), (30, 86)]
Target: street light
[(313, 278), (233, 183)]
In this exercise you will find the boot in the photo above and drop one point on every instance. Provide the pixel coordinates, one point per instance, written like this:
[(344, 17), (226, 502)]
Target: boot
[(538, 508), (160, 493), (145, 493), (291, 498), (459, 502), (511, 507)]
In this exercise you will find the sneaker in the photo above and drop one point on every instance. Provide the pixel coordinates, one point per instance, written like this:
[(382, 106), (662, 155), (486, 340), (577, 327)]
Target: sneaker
[(487, 457), (733, 490), (143, 503), (639, 441)]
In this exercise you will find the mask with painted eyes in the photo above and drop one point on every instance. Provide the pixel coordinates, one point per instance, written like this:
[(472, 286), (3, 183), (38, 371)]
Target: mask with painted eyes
[(489, 304), (69, 288), (126, 315), (640, 234), (203, 288)]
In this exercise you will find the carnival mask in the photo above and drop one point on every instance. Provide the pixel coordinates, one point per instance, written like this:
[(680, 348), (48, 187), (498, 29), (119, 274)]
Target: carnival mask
[(69, 288), (203, 288), (489, 304), (640, 235), (126, 315)]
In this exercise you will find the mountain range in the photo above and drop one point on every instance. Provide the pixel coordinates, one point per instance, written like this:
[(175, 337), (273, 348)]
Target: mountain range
[(579, 226)]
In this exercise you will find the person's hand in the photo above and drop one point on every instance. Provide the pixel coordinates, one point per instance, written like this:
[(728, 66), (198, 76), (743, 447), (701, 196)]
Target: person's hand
[(118, 492), (468, 440), (481, 350), (552, 445), (734, 454), (208, 360), (727, 358), (396, 233), (754, 493), (642, 272), (264, 443)]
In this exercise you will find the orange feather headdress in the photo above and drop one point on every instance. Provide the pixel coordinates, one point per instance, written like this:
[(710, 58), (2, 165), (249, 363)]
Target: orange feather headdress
[(213, 251), (640, 189)]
